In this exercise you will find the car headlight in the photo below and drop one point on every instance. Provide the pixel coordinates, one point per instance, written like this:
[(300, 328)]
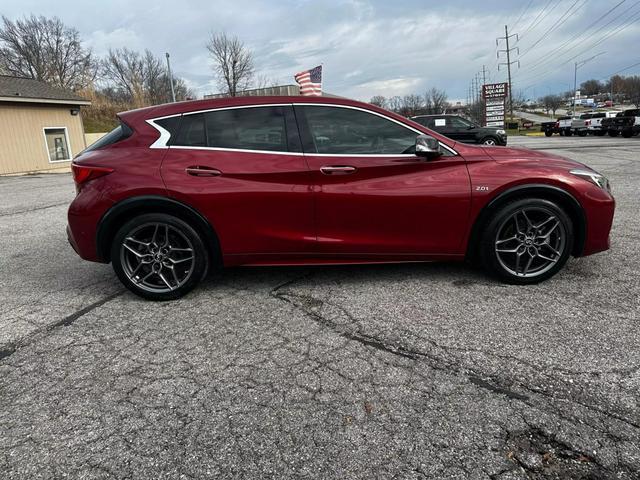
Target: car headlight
[(595, 177), (501, 132)]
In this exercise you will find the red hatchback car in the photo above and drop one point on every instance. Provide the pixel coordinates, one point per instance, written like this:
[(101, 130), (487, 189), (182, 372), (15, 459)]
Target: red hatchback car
[(180, 188)]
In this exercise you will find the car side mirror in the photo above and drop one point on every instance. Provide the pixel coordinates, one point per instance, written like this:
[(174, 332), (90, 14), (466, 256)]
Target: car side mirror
[(427, 146)]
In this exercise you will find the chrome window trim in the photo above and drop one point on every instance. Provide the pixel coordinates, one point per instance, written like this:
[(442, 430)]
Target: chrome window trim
[(161, 142)]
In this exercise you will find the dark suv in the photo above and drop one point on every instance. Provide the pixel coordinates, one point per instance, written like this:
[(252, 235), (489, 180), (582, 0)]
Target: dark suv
[(462, 130)]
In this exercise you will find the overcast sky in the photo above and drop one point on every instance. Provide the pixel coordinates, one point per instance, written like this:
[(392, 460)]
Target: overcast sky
[(376, 47)]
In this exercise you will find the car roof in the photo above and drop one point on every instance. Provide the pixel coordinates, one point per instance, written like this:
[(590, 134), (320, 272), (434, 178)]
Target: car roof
[(137, 119), (440, 115), (168, 109)]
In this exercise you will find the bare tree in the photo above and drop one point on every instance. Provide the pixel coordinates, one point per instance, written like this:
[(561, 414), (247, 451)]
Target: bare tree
[(47, 50), (233, 63), (591, 87), (552, 102), (378, 101), (395, 103), (139, 79), (411, 105), (632, 89), (435, 101)]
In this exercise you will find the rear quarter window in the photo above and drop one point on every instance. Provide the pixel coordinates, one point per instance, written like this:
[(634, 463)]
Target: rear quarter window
[(116, 135)]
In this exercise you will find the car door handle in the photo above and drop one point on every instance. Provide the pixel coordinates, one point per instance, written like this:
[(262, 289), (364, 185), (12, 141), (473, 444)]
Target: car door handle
[(337, 169), (201, 171)]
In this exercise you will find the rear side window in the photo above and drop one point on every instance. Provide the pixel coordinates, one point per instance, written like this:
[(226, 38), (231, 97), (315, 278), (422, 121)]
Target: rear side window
[(258, 128), (119, 133), (427, 122), (192, 133)]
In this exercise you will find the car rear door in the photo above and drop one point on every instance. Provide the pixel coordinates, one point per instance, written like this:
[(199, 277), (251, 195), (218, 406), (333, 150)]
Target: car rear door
[(373, 196), (243, 168)]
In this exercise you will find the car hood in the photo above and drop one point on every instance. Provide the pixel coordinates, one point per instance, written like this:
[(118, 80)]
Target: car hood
[(517, 155)]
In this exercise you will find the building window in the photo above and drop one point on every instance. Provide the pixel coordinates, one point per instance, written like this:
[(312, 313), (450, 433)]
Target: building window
[(57, 142)]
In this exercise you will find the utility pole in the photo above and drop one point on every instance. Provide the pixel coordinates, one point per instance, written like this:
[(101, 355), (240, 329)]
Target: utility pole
[(509, 62), (577, 65), (173, 93)]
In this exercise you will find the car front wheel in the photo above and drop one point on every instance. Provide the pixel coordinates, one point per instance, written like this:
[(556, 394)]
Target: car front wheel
[(527, 241), (158, 256), (489, 141)]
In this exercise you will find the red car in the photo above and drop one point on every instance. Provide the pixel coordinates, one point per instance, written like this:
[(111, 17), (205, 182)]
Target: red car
[(182, 188)]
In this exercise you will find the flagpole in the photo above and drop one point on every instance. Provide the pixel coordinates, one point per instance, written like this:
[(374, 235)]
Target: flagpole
[(322, 89)]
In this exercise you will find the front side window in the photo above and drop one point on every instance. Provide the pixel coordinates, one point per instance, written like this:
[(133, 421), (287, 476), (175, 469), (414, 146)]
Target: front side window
[(337, 130), (57, 144)]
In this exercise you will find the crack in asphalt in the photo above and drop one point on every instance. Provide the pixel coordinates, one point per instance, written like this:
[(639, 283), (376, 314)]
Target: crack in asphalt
[(10, 348), (33, 209), (308, 305)]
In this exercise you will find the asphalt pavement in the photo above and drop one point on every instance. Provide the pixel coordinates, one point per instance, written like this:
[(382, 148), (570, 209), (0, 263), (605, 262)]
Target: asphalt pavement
[(398, 371)]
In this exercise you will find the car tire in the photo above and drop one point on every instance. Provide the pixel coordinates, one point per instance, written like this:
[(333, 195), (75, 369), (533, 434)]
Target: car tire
[(627, 133), (159, 256), (613, 133), (492, 141), (568, 133), (527, 241), (548, 134), (582, 133)]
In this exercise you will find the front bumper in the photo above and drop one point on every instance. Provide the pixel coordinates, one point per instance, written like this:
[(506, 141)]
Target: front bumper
[(599, 208)]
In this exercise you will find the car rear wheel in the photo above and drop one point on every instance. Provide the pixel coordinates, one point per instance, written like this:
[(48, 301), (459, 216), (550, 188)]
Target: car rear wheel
[(613, 133), (582, 133), (548, 133), (527, 241), (627, 133), (158, 256), (489, 141), (568, 133)]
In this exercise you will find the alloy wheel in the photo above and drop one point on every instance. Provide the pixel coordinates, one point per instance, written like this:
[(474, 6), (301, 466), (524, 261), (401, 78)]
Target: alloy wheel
[(530, 242), (489, 141), (157, 257)]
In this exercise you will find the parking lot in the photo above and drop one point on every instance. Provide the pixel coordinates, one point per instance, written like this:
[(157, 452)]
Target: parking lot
[(391, 371)]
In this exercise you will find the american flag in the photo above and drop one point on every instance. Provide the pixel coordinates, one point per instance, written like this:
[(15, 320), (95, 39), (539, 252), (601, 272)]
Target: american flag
[(310, 81)]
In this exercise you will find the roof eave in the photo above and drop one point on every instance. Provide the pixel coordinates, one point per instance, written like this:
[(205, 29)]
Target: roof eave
[(45, 100)]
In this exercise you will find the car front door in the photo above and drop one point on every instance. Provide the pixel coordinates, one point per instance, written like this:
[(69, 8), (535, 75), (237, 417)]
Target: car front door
[(463, 131), (373, 195), (243, 169)]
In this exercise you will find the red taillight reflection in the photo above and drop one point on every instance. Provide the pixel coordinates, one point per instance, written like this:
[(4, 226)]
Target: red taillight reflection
[(84, 173)]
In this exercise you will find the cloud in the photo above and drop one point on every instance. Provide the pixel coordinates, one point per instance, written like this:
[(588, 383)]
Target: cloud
[(367, 47)]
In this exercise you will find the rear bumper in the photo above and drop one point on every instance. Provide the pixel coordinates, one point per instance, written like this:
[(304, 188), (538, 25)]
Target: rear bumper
[(83, 218)]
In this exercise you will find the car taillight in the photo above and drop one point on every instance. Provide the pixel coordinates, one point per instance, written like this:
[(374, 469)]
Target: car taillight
[(587, 122), (557, 124), (83, 173)]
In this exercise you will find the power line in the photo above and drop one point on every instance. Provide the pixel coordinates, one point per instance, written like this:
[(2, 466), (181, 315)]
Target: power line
[(555, 26), (619, 71), (625, 24), (549, 57), (536, 22), (514, 24)]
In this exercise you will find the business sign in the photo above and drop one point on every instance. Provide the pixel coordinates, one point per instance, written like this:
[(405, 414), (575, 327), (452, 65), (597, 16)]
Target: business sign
[(494, 95)]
